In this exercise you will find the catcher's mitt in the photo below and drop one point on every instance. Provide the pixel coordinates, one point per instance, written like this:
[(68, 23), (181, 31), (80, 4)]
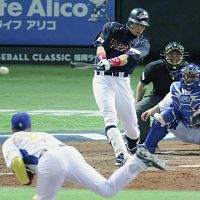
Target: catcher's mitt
[(30, 175), (196, 119)]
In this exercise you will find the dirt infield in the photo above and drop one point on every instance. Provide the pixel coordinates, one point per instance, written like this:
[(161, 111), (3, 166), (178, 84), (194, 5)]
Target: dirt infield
[(183, 166)]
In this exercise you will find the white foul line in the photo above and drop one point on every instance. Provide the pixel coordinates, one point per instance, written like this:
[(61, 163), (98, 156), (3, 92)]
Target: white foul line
[(189, 166), (6, 173)]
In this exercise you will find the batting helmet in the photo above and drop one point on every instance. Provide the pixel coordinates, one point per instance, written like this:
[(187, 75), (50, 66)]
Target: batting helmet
[(190, 77), (138, 16)]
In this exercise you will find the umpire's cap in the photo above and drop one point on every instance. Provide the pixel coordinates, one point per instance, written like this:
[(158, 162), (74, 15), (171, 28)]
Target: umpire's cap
[(138, 16), (21, 121)]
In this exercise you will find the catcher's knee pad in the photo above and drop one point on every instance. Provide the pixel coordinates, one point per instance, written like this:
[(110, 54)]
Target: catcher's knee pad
[(168, 117)]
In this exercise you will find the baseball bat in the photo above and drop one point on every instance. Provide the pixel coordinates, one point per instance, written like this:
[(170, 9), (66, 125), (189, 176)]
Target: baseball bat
[(107, 17), (83, 65)]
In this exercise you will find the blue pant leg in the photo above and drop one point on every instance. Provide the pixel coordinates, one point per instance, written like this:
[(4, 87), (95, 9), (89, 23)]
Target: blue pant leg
[(155, 135)]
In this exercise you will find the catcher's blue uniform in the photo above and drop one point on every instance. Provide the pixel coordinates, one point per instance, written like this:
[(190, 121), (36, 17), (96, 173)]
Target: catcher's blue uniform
[(117, 40), (177, 109), (186, 103)]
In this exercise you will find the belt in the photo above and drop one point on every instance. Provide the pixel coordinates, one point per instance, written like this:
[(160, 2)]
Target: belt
[(118, 74), (45, 150)]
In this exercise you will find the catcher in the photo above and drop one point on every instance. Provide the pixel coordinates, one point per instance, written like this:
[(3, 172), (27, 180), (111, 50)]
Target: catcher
[(180, 111), (55, 162)]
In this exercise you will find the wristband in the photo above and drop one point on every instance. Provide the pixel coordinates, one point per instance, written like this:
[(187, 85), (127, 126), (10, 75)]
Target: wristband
[(115, 61), (101, 56)]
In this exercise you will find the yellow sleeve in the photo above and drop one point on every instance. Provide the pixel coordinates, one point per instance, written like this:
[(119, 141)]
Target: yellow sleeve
[(35, 197), (19, 169)]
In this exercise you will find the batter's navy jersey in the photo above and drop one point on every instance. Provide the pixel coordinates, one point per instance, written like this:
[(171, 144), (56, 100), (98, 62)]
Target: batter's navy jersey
[(117, 39), (157, 73)]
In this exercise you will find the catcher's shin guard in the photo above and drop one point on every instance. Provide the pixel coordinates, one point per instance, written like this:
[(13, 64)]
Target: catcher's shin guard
[(156, 134)]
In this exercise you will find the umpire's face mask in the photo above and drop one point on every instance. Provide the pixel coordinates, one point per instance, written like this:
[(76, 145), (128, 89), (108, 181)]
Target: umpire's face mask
[(174, 57)]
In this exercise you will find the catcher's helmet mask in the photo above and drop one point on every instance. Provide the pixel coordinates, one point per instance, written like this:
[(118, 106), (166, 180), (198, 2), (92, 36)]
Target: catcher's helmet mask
[(190, 77), (138, 16)]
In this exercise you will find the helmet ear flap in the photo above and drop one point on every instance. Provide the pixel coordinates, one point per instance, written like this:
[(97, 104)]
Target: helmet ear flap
[(129, 23)]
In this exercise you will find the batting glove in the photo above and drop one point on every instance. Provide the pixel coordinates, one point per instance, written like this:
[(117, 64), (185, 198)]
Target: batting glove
[(104, 64)]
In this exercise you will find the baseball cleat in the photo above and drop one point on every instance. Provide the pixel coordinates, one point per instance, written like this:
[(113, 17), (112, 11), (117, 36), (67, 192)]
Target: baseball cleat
[(133, 150), (150, 160), (121, 159), (131, 144), (151, 149)]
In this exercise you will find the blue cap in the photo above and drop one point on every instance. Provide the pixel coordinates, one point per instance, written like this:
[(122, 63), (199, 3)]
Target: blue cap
[(21, 121)]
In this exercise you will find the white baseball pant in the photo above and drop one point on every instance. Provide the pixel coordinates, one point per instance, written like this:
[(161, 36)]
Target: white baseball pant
[(190, 135), (66, 164), (115, 100)]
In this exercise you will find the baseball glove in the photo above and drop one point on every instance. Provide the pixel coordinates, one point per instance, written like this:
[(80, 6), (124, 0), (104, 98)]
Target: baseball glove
[(30, 175), (196, 119)]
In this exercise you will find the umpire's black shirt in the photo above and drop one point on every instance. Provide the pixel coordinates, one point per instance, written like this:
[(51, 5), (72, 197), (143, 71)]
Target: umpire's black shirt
[(157, 73)]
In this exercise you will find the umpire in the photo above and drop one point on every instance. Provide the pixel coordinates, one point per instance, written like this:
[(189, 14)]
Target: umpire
[(161, 73)]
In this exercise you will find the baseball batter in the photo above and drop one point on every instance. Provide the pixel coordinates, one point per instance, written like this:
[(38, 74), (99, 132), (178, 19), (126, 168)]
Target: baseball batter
[(55, 162), (119, 49), (177, 111)]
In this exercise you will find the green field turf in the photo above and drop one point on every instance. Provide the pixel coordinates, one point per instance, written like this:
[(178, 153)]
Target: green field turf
[(82, 194), (29, 88)]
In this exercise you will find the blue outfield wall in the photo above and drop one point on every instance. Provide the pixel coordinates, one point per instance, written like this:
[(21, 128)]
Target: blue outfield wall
[(60, 31), (53, 22)]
